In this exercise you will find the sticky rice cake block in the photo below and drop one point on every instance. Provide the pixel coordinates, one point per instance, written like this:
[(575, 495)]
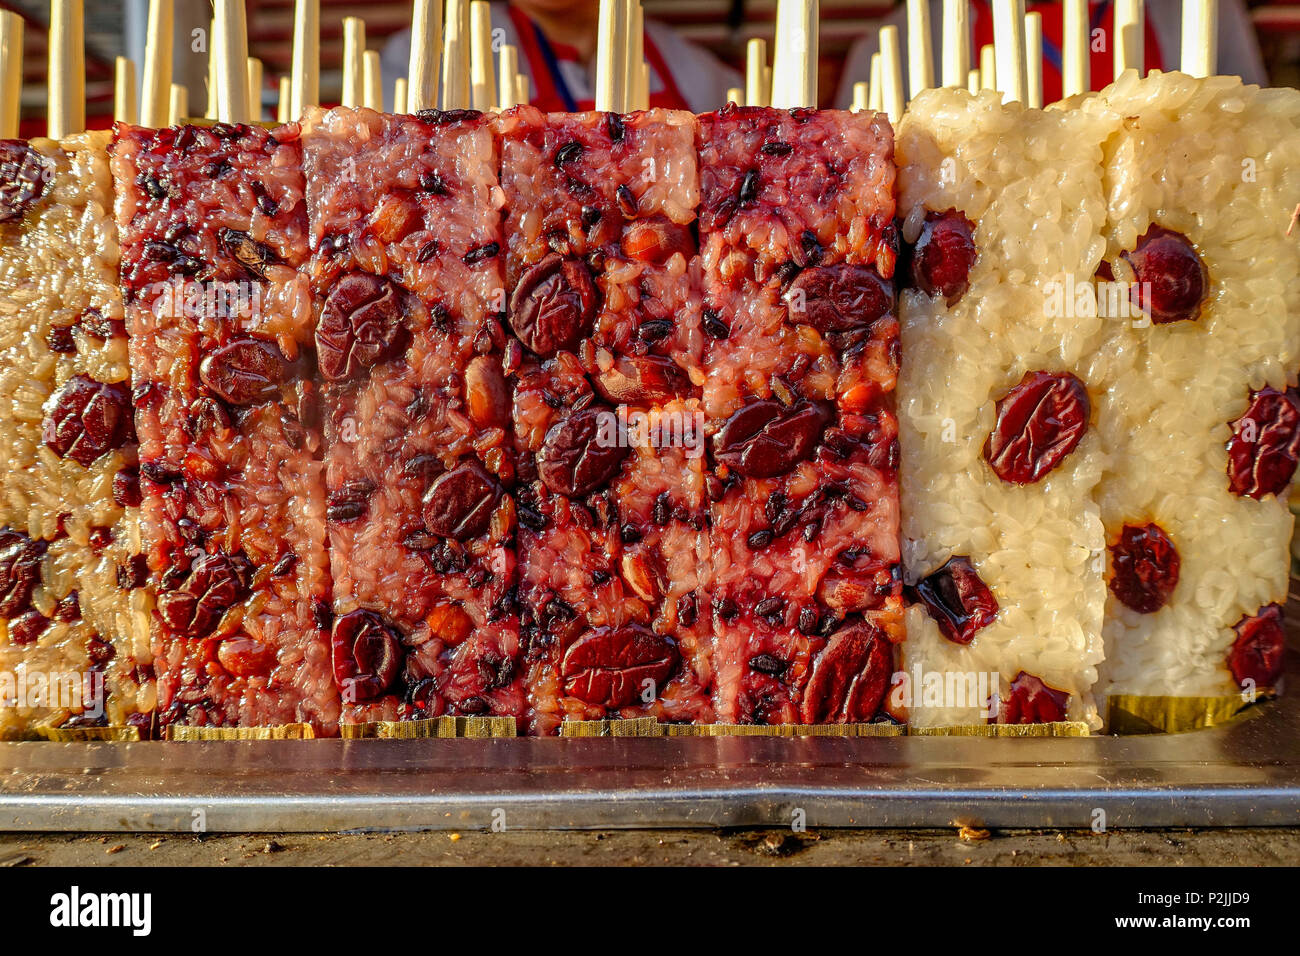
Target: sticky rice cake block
[(407, 209), (234, 508), (74, 603), (1030, 183), (1213, 160)]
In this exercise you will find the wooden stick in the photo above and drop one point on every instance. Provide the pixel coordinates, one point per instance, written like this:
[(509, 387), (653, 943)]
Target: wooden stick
[(255, 75), (455, 56), (304, 72), (178, 105), (482, 81), (891, 74), (67, 68), (214, 57), (861, 96), (920, 53), (643, 85), (426, 54), (1076, 49), (1200, 51), (736, 95), (956, 42), (1009, 42), (354, 75), (988, 67), (507, 68), (873, 94), (1034, 60), (755, 63), (611, 55), (794, 63), (372, 85), (767, 83), (1128, 37), (155, 97), (232, 66), (399, 95), (124, 105), (973, 82), (11, 74), (284, 105), (522, 92), (636, 57)]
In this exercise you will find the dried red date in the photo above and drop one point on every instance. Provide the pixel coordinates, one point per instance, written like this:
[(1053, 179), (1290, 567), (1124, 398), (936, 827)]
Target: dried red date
[(1257, 653), (1144, 568), (24, 176), (244, 657), (857, 582), (642, 380), (20, 571), (578, 455), (958, 600), (1039, 422), (656, 240), (28, 627), (361, 325), (459, 504), (486, 396), (849, 677), (86, 419), (254, 256), (244, 371), (765, 439), (367, 654), (553, 305), (214, 584), (1031, 701), (835, 298), (1171, 279), (944, 255), (609, 667), (126, 487), (1265, 444)]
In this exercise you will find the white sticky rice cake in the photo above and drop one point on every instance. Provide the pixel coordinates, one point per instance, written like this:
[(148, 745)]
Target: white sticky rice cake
[(1215, 161), (75, 612), (1030, 183)]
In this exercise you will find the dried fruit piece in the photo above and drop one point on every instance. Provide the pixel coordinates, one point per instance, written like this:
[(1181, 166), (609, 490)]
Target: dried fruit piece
[(1257, 653), (244, 371), (214, 584), (958, 600), (849, 677), (1030, 701), (835, 298), (1144, 568), (944, 254), (656, 240), (367, 654), (254, 256), (244, 657), (1265, 444), (642, 380), (361, 325), (486, 396), (553, 305), (609, 667), (28, 627), (460, 503), (24, 176), (1039, 422), (20, 571), (765, 439), (1171, 278), (86, 419), (578, 455)]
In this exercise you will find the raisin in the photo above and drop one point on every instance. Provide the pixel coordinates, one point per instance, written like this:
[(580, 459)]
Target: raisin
[(553, 305), (771, 610), (835, 298), (626, 201), (687, 610), (765, 439), (1257, 653), (95, 323), (126, 487), (1265, 444), (427, 251), (423, 468), (642, 380), (68, 609), (662, 509), (944, 255), (1144, 568), (748, 187), (609, 667), (767, 664), (215, 583), (361, 325), (656, 240), (1039, 422), (488, 250), (60, 341), (244, 657), (244, 371), (614, 127), (133, 573), (577, 457), (1031, 701), (568, 152), (459, 505), (24, 176), (367, 654), (265, 202), (100, 538), (431, 182), (655, 330), (350, 502), (714, 325), (958, 600), (100, 651), (28, 627), (1171, 279), (254, 256), (777, 148), (284, 565), (86, 419), (849, 677)]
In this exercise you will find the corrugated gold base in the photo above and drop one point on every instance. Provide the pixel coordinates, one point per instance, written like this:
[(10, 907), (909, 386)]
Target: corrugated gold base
[(285, 732)]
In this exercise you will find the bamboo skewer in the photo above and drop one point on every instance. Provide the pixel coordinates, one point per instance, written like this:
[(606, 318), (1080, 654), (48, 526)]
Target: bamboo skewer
[(284, 104), (304, 72), (124, 105), (611, 55), (988, 67), (1128, 37), (11, 74), (455, 56), (874, 102), (354, 48), (522, 92), (1009, 44), (178, 104), (232, 64), (507, 69), (956, 43), (974, 83), (920, 53), (214, 57), (372, 85), (794, 61), (1034, 60), (155, 96), (426, 52), (756, 92), (255, 75), (67, 68), (1200, 38), (644, 86), (1075, 49), (637, 91), (891, 74), (483, 87), (861, 96), (736, 95), (399, 95)]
